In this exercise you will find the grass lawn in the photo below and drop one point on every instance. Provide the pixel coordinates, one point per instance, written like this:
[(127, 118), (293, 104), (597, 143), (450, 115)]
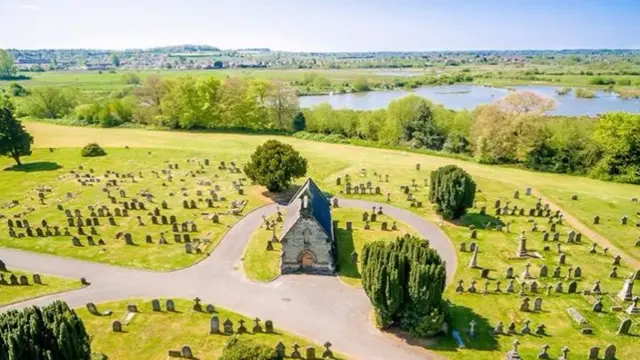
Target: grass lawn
[(348, 241), (497, 253), (150, 335), (258, 263), (10, 294), (327, 161)]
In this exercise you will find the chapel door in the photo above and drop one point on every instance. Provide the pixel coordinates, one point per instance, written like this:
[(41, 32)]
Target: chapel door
[(307, 261)]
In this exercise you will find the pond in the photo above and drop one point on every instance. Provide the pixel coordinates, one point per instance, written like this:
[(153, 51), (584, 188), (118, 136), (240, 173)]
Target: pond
[(458, 97)]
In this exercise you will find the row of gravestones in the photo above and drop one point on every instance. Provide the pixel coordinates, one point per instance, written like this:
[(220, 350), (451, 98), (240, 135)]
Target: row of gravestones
[(532, 287), (310, 351), (525, 330), (22, 280), (384, 226), (593, 354)]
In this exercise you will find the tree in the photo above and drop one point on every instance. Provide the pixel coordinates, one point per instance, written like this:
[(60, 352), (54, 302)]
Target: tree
[(51, 102), (421, 131), (92, 150), (15, 141), (299, 122), (452, 191), (17, 90), (52, 332), (115, 60), (404, 281), (282, 102), (505, 131), (275, 165), (361, 84), (618, 135), (7, 68)]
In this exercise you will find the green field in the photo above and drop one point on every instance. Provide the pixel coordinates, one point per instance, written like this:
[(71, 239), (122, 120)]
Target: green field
[(326, 162), (150, 335), (259, 263), (10, 294)]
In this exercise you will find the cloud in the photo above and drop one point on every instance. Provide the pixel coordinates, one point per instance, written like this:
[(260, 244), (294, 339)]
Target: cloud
[(30, 7)]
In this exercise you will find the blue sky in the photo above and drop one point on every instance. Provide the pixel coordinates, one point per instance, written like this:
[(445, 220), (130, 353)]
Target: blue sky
[(322, 25)]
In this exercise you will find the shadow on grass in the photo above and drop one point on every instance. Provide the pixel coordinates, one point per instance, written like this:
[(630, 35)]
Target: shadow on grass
[(35, 167), (346, 267), (478, 220), (283, 197), (461, 316)]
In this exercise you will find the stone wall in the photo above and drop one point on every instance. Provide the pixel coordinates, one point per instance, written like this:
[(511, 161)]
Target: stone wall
[(318, 242)]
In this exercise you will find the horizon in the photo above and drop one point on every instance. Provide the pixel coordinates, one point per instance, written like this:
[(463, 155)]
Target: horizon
[(330, 26)]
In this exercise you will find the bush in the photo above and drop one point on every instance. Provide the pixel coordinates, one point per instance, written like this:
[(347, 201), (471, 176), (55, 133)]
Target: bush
[(299, 122), (452, 191), (241, 349), (51, 332), (404, 281), (92, 150), (17, 90), (274, 165), (585, 93)]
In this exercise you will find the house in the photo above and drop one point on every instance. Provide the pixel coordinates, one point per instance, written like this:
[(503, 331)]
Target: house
[(308, 243)]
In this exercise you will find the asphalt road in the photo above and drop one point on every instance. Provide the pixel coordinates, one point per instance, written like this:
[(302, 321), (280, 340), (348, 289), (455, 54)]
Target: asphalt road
[(318, 307)]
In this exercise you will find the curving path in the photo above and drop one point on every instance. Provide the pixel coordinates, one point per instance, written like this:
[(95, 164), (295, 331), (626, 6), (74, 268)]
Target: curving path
[(317, 307)]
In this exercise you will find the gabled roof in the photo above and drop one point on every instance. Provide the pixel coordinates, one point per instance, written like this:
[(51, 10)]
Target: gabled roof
[(320, 208)]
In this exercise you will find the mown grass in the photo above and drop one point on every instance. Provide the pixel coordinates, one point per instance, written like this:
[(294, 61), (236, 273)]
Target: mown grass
[(150, 335), (10, 294), (354, 240), (327, 161), (259, 263), (497, 253)]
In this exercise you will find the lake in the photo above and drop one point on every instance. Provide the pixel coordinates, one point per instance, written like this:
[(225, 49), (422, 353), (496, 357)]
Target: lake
[(458, 97)]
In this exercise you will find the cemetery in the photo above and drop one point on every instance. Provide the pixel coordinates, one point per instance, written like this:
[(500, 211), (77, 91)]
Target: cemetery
[(16, 286), (539, 266), (187, 328)]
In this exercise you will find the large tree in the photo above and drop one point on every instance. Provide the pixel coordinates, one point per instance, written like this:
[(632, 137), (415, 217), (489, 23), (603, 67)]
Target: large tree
[(15, 141), (618, 135), (282, 102), (51, 102), (404, 281), (506, 130), (7, 68), (452, 191), (274, 165), (51, 332)]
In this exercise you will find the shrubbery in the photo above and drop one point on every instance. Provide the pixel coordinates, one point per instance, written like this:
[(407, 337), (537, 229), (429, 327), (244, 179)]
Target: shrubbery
[(92, 150), (51, 332), (274, 164), (404, 281), (452, 191), (243, 349)]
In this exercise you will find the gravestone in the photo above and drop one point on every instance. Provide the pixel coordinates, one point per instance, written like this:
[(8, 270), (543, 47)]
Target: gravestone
[(537, 304), (268, 327), (171, 305), (186, 352), (116, 326), (215, 325), (577, 316), (625, 327), (228, 327), (610, 352), (155, 305)]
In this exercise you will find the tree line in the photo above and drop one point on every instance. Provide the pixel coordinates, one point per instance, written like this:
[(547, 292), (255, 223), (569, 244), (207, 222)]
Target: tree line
[(513, 130), (183, 103)]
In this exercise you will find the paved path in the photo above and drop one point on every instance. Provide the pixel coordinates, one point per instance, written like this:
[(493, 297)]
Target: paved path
[(318, 307)]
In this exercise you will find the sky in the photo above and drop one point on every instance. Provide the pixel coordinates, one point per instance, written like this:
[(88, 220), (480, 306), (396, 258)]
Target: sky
[(322, 25)]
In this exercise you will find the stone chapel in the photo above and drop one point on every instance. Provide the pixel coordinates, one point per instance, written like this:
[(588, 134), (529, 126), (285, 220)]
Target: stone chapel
[(308, 243)]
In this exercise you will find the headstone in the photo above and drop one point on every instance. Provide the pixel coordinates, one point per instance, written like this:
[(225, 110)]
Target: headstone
[(576, 316), (228, 327), (215, 325), (610, 352), (116, 326), (268, 326), (171, 305), (625, 327), (537, 304), (186, 352)]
